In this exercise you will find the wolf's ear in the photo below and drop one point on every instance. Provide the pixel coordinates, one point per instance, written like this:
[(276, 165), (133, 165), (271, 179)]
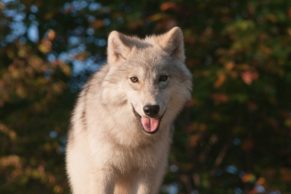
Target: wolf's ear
[(119, 46), (173, 43)]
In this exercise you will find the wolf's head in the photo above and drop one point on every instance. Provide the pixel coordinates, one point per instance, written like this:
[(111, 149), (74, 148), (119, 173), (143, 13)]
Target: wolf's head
[(148, 76)]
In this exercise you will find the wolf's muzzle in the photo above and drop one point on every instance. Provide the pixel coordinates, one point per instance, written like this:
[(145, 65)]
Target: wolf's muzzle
[(149, 124)]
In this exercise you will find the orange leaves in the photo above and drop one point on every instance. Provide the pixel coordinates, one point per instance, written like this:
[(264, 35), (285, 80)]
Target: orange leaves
[(164, 20), (7, 131), (222, 75), (45, 45), (20, 170), (51, 35), (21, 91), (36, 63), (57, 87), (289, 13), (248, 178), (81, 56), (229, 66), (197, 129), (97, 24), (261, 181), (65, 68), (220, 80), (13, 162)]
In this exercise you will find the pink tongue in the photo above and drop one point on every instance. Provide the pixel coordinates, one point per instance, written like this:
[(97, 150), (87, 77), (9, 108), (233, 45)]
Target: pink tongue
[(150, 124)]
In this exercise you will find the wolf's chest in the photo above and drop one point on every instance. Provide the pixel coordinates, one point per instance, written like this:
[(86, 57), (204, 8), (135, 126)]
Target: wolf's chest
[(127, 160)]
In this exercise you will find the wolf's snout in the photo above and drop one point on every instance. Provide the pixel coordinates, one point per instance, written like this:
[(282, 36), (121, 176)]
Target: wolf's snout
[(151, 110)]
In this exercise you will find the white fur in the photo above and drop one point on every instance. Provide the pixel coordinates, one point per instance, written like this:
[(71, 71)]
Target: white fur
[(108, 151)]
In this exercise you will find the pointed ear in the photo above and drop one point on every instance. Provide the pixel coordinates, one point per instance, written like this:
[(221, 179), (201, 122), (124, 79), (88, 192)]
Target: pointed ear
[(119, 46), (173, 43)]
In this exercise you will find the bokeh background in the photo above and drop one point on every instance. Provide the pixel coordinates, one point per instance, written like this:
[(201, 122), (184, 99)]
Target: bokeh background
[(234, 136)]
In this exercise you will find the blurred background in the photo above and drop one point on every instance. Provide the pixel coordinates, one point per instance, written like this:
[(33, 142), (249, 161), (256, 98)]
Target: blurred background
[(234, 136)]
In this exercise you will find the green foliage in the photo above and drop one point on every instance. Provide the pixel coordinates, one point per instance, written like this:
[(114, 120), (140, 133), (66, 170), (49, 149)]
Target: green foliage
[(233, 137)]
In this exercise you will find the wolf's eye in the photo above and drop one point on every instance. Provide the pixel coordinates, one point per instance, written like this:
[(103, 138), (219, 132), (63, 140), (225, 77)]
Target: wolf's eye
[(163, 78), (133, 79)]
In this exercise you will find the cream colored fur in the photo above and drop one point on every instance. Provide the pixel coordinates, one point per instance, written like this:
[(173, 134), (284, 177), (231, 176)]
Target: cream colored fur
[(108, 151)]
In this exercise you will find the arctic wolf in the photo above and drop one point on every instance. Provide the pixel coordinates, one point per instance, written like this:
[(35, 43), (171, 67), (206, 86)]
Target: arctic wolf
[(121, 125)]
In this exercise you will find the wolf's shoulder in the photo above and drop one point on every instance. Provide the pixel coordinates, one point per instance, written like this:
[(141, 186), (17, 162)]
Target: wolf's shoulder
[(95, 81), (99, 75)]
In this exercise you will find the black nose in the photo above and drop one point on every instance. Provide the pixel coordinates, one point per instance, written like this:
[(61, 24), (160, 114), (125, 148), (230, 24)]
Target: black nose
[(151, 110)]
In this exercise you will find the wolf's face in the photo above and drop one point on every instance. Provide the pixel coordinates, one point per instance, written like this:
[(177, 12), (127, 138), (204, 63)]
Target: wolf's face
[(149, 76), (149, 88)]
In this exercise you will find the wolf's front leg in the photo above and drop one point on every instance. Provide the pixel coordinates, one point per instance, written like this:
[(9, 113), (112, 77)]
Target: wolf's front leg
[(149, 183), (101, 182)]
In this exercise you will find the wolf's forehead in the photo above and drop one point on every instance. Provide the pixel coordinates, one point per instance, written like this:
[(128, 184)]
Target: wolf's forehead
[(149, 57)]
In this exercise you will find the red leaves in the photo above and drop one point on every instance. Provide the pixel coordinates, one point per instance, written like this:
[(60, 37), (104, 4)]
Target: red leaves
[(245, 71), (219, 98), (248, 145), (249, 76), (168, 6)]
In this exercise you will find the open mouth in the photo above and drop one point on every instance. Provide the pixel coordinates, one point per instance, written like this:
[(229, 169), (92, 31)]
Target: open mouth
[(150, 124)]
